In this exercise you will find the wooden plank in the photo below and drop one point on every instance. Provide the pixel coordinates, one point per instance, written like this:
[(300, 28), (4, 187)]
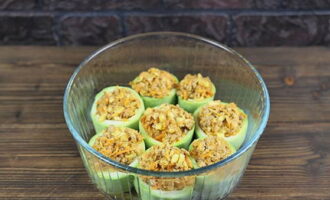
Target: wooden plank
[(290, 162), (39, 160)]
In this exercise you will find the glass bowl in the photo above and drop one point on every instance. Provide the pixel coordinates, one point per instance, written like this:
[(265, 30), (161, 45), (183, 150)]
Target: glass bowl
[(119, 62)]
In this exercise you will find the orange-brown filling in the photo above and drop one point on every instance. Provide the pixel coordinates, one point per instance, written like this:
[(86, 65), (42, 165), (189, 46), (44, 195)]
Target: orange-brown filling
[(195, 87), (210, 150), (218, 118), (120, 144), (167, 123), (119, 104), (154, 83), (166, 158)]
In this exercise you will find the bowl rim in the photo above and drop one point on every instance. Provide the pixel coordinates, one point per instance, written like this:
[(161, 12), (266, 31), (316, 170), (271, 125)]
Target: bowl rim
[(134, 170)]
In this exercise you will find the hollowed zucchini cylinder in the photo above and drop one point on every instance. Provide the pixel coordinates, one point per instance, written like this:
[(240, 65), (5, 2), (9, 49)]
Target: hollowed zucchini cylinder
[(165, 158), (194, 91), (167, 124), (207, 151), (120, 144), (222, 119), (155, 87), (116, 105)]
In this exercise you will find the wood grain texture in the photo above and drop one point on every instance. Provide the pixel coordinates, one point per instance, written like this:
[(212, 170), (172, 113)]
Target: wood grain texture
[(39, 160)]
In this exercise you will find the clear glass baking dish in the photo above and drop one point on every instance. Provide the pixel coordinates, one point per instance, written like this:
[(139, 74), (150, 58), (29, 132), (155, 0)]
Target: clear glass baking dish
[(119, 62)]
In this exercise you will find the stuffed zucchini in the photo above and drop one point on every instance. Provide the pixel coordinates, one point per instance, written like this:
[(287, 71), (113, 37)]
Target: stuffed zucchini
[(155, 87), (165, 157), (167, 124), (123, 145), (116, 105), (195, 91), (223, 119), (209, 150), (204, 152)]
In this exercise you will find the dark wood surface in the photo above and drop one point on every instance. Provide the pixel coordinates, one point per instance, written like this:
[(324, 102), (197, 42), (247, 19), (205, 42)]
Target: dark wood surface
[(39, 160)]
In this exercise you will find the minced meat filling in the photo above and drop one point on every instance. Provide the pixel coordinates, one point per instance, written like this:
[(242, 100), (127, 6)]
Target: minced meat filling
[(120, 144), (119, 104), (167, 123), (166, 158), (210, 150), (195, 87), (218, 118), (154, 83)]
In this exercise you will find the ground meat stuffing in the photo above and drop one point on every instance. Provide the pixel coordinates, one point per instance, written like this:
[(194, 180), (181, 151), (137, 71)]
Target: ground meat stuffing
[(218, 118), (119, 104), (167, 123), (195, 87), (120, 144), (210, 150), (154, 83), (166, 158)]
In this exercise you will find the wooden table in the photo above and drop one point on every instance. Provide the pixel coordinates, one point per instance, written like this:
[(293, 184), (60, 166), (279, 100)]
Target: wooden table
[(39, 160)]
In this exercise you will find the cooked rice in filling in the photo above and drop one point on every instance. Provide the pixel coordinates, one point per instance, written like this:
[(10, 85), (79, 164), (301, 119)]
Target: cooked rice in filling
[(218, 118), (120, 144), (119, 104), (166, 158), (154, 83), (195, 87), (167, 123), (210, 150)]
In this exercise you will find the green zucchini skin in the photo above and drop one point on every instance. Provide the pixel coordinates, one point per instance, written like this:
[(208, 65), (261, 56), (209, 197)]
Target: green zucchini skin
[(114, 182), (235, 140), (132, 122), (149, 141), (209, 186), (191, 105), (147, 193), (150, 102)]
